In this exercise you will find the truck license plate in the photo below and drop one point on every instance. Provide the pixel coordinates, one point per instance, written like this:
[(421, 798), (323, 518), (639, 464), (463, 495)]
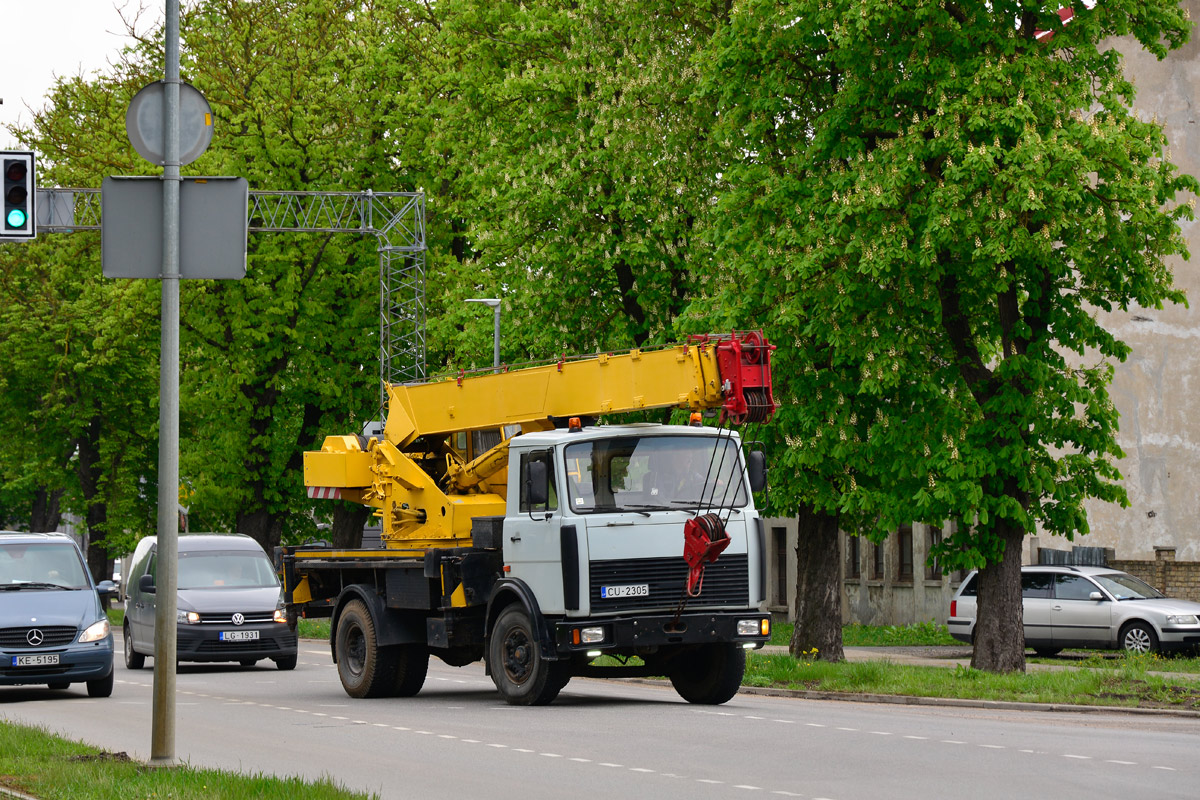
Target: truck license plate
[(46, 660), (628, 590), (238, 636)]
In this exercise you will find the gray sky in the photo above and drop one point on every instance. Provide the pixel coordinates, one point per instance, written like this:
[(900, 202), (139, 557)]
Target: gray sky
[(58, 37)]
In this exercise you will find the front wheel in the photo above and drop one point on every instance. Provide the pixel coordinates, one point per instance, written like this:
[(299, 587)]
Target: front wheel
[(709, 675), (133, 659), (365, 668), (1047, 652), (286, 662), (58, 685), (101, 687), (1139, 638), (519, 671)]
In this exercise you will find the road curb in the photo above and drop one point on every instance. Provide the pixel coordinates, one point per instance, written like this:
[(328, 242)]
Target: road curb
[(942, 702)]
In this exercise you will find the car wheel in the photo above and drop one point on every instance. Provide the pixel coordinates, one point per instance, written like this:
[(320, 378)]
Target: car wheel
[(412, 663), (285, 662), (57, 685), (1138, 637), (101, 687), (1047, 652), (248, 662), (133, 659)]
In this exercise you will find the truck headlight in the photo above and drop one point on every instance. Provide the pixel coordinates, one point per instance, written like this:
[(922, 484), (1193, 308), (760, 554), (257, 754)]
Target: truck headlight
[(187, 617), (753, 627), (95, 632), (591, 635), (1182, 619)]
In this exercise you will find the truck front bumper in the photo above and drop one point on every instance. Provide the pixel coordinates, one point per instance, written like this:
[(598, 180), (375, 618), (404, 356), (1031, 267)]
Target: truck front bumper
[(651, 631)]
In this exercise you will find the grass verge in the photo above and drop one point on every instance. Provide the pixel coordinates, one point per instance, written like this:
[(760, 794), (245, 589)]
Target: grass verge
[(919, 634), (1127, 683), (38, 763)]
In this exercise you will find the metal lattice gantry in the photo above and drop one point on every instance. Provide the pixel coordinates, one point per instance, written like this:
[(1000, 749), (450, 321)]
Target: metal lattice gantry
[(395, 219)]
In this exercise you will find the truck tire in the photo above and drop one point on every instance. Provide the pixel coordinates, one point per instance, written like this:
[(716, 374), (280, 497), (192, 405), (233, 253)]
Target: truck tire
[(365, 668), (709, 675), (412, 664), (523, 677)]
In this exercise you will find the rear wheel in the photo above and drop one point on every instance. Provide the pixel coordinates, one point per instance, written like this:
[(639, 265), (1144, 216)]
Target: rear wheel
[(412, 664), (1138, 637), (365, 668), (519, 671), (101, 687), (133, 659), (710, 674), (1047, 652)]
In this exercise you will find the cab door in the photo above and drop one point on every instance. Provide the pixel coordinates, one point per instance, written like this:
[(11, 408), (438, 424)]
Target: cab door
[(534, 543)]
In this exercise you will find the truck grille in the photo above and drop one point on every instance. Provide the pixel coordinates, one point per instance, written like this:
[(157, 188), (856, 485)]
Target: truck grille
[(726, 583), (53, 635)]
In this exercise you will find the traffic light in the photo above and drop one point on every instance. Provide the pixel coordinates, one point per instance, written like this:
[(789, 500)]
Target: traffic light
[(20, 191)]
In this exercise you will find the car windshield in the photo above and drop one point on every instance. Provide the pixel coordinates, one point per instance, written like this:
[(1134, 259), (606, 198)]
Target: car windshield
[(211, 569), (645, 473), (1127, 587), (42, 565)]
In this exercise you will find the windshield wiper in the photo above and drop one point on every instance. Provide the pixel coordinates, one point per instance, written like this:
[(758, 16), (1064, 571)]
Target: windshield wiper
[(639, 506), (31, 585)]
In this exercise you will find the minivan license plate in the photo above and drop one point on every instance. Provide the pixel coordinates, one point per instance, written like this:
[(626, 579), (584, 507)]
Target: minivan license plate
[(238, 636), (628, 590), (45, 660)]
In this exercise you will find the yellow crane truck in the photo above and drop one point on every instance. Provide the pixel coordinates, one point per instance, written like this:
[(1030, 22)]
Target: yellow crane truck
[(516, 531)]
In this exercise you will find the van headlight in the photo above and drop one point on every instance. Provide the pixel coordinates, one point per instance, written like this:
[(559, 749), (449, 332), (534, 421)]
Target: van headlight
[(1182, 619), (280, 615), (187, 617), (95, 632)]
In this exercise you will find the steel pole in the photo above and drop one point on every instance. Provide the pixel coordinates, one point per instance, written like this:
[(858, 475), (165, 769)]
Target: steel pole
[(496, 338), (162, 743)]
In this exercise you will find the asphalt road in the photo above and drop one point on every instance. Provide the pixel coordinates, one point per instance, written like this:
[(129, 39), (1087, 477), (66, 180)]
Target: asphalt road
[(629, 740)]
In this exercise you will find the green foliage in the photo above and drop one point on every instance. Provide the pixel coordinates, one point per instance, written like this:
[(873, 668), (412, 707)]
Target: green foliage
[(931, 204)]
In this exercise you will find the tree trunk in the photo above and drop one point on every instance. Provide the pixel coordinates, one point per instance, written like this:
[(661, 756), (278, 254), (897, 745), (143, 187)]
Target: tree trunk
[(263, 527), (818, 587), (999, 625), (46, 513), (348, 521)]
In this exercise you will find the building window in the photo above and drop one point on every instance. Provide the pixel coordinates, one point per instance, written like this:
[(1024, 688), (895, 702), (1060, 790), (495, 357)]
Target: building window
[(853, 561), (904, 540), (933, 567), (877, 562), (779, 542)]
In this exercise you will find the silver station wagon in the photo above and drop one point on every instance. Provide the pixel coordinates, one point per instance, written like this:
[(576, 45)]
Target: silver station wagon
[(1088, 607)]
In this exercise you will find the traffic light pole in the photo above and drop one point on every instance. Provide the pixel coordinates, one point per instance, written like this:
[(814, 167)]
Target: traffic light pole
[(162, 741)]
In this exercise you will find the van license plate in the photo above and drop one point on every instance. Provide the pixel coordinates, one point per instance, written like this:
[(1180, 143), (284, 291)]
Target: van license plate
[(46, 660), (628, 590), (238, 636)]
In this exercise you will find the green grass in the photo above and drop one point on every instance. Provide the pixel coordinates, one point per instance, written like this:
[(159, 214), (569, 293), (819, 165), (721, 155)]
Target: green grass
[(918, 634), (1115, 659), (37, 763), (313, 629), (1128, 683)]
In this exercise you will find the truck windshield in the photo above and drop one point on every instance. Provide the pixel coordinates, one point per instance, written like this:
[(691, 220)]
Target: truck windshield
[(635, 473)]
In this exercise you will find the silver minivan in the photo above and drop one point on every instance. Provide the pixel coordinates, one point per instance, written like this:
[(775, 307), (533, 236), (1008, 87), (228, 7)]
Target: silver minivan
[(229, 603), (1088, 607)]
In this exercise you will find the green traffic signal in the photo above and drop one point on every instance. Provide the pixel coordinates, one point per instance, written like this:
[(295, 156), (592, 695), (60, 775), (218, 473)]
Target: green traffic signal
[(16, 218)]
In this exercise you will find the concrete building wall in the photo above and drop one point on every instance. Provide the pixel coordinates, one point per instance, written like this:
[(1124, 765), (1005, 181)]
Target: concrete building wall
[(1160, 423)]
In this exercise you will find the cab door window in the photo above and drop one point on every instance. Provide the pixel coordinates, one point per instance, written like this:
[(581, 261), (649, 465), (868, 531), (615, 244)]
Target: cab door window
[(543, 456)]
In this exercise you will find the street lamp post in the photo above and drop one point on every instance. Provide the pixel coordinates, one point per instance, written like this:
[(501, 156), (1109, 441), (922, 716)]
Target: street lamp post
[(495, 304)]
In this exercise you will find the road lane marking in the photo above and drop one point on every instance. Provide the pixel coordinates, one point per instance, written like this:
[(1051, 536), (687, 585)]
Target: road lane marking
[(1168, 769), (994, 746), (1081, 758), (921, 738)]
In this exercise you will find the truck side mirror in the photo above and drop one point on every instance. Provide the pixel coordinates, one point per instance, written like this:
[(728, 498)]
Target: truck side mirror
[(756, 462), (537, 483), (146, 583)]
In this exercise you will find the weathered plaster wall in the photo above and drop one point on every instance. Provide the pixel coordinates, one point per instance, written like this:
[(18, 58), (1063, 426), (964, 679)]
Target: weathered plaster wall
[(1160, 417)]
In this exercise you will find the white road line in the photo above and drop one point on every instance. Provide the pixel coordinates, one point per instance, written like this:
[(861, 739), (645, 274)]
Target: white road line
[(640, 769), (747, 786), (785, 721), (610, 764), (550, 755), (582, 760), (951, 741), (1122, 763), (499, 745), (921, 738), (994, 746), (880, 733), (1168, 769), (706, 780), (1081, 758), (848, 729), (815, 725)]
